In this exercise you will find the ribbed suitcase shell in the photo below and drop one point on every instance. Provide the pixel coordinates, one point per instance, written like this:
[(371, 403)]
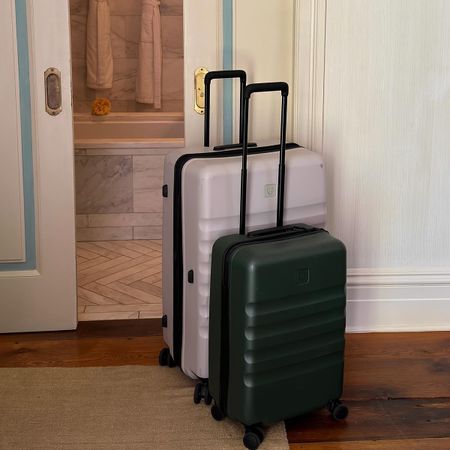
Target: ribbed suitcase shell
[(209, 189), (277, 323)]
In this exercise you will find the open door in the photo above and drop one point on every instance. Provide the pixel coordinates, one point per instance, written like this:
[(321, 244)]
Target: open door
[(37, 229), (228, 34), (203, 22)]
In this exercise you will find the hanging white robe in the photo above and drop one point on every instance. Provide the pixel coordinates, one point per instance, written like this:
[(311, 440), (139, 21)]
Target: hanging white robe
[(99, 60), (148, 77)]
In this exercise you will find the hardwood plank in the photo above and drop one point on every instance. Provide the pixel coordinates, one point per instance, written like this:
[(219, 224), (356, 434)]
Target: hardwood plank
[(117, 247), (85, 352), (83, 301), (375, 361), (136, 293), (85, 253), (152, 244), (390, 377), (151, 314), (376, 419), (87, 330), (398, 345), (119, 297), (94, 297), (136, 247), (138, 276), (386, 444), (150, 267), (146, 287), (133, 266), (91, 263), (103, 315), (152, 279), (155, 309), (149, 278), (94, 248), (106, 265), (84, 279), (81, 260)]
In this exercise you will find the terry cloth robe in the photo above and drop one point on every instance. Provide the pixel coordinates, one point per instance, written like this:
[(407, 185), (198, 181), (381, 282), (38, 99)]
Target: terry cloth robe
[(148, 77), (99, 60)]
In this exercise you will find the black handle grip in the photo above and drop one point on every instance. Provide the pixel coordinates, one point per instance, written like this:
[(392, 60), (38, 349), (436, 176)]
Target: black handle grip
[(222, 74), (267, 87), (283, 88)]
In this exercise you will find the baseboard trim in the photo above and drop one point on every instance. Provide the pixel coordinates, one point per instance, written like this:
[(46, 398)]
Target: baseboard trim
[(390, 300)]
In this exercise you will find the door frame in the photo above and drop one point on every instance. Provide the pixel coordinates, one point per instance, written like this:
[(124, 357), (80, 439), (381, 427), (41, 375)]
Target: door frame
[(309, 72), (201, 49)]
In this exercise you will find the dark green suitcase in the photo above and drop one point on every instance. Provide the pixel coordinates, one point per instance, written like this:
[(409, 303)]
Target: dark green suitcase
[(277, 314)]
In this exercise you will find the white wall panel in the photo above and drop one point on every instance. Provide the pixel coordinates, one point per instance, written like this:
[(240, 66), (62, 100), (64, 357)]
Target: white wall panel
[(12, 233), (386, 135), (263, 46)]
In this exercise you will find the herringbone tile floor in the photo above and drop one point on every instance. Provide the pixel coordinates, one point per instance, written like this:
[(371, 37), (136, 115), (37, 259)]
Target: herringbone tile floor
[(119, 280)]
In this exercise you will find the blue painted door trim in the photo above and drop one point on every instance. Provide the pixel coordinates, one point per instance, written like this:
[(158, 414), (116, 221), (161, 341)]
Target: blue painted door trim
[(27, 146), (227, 27)]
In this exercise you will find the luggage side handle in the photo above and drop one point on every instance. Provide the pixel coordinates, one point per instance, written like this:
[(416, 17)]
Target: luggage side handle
[(222, 74), (283, 88)]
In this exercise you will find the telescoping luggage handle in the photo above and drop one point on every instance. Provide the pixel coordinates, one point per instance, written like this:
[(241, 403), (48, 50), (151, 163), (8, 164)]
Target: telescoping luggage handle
[(221, 74), (283, 88)]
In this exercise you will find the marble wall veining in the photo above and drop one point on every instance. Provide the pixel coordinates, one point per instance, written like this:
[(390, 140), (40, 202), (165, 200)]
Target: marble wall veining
[(118, 196), (125, 28), (104, 184)]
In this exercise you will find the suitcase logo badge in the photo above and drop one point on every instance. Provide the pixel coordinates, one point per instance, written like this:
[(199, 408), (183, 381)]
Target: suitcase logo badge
[(270, 190)]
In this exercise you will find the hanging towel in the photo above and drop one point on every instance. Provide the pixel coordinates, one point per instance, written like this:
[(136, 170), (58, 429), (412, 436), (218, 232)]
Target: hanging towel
[(148, 77), (99, 60)]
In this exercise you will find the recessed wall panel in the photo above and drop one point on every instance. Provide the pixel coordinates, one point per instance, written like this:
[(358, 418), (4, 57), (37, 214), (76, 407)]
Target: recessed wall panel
[(12, 234)]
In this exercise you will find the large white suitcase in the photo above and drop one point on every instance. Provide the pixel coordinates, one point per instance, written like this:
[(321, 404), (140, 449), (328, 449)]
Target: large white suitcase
[(201, 195)]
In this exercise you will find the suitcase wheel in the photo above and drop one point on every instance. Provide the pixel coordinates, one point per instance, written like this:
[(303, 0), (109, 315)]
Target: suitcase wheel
[(165, 359), (216, 412), (201, 391), (253, 437), (337, 409)]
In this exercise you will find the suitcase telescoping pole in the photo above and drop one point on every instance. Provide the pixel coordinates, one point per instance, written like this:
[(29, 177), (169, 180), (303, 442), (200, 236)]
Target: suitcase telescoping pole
[(222, 74), (283, 88)]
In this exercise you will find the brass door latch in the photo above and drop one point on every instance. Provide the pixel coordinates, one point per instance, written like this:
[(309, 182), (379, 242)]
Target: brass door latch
[(199, 83)]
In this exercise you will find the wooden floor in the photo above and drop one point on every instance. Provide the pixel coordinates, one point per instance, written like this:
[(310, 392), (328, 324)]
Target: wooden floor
[(119, 280), (397, 386)]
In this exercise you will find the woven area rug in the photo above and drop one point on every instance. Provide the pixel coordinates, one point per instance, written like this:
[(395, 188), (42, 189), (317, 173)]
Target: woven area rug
[(101, 408)]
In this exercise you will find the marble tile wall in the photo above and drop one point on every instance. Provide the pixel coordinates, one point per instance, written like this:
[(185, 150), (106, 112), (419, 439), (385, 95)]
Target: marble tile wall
[(125, 27), (118, 197)]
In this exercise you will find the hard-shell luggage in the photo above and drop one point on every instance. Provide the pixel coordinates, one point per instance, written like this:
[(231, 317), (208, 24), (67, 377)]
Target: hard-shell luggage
[(277, 313), (201, 204)]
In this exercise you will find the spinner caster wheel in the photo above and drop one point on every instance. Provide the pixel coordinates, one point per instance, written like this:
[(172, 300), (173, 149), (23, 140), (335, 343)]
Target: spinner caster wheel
[(253, 437), (198, 393), (217, 413), (165, 359), (201, 391), (338, 410)]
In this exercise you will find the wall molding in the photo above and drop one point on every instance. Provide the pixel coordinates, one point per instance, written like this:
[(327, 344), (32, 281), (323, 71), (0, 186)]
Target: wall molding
[(381, 299), (309, 72), (400, 299), (399, 277)]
